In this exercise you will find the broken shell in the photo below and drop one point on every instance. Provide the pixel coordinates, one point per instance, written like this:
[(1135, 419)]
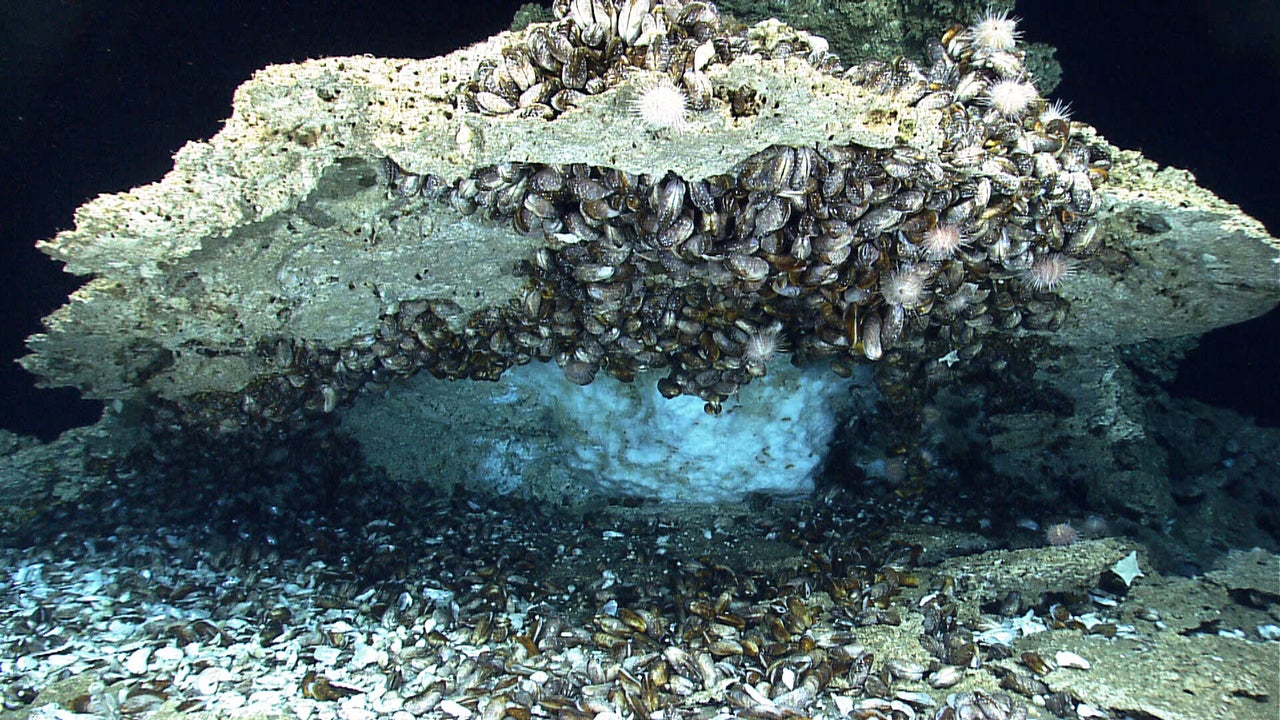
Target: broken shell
[(1068, 659), (946, 676)]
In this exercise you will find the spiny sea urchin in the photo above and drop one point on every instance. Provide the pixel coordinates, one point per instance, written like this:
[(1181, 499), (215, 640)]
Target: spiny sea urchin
[(761, 346), (1011, 97), (661, 105), (905, 287), (996, 32), (1048, 271), (942, 241), (1056, 110), (1061, 535)]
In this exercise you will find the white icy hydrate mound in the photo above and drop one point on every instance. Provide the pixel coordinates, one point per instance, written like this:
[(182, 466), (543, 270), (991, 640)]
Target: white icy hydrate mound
[(626, 439), (537, 434)]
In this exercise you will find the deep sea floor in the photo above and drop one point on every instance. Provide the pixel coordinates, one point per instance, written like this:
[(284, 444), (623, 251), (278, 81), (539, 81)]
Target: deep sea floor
[(359, 599)]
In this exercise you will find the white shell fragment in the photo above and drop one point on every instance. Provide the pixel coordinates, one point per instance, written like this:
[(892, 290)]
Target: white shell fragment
[(365, 656), (946, 676), (997, 636), (455, 709), (1068, 659), (1085, 710), (326, 655), (206, 682), (1127, 569), (61, 660), (136, 664), (168, 657)]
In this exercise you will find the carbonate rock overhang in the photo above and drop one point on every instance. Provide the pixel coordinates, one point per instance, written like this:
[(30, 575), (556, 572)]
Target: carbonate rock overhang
[(273, 228), (190, 271)]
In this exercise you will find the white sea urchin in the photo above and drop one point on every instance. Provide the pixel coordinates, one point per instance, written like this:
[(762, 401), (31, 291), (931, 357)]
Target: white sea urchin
[(904, 287), (1048, 271), (1061, 535), (661, 105), (761, 346), (942, 241), (996, 32), (1056, 110), (1012, 97)]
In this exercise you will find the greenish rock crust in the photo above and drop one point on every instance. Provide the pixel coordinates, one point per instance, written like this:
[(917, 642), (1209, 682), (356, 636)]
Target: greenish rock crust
[(885, 28), (1169, 660), (36, 476), (876, 29)]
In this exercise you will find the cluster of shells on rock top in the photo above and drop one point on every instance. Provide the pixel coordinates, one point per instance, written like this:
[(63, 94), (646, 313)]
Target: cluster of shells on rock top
[(839, 251)]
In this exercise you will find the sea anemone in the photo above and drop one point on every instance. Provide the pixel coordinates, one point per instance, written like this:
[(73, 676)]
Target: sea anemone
[(661, 105)]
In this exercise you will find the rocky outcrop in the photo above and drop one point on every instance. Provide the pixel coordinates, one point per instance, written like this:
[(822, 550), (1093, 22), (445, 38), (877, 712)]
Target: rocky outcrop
[(361, 219)]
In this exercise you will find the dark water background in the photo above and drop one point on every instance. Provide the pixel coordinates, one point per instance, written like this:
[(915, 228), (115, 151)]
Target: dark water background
[(98, 95)]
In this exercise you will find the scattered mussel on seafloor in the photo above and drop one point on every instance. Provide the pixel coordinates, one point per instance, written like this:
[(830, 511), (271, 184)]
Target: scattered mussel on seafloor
[(479, 624)]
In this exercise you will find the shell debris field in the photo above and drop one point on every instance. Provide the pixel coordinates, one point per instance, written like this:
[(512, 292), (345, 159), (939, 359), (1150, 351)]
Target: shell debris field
[(362, 600), (535, 618)]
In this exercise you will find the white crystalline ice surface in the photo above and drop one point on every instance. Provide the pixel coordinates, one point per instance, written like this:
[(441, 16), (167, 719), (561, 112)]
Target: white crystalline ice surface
[(627, 439)]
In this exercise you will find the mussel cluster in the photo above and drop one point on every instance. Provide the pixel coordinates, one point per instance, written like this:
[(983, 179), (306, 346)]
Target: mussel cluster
[(839, 251), (592, 47)]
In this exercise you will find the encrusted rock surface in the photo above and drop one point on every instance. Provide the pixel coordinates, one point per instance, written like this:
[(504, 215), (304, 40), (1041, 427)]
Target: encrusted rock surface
[(1164, 675), (1034, 573), (1165, 647), (276, 227), (35, 476), (1184, 262), (353, 224), (1188, 647), (1253, 574)]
